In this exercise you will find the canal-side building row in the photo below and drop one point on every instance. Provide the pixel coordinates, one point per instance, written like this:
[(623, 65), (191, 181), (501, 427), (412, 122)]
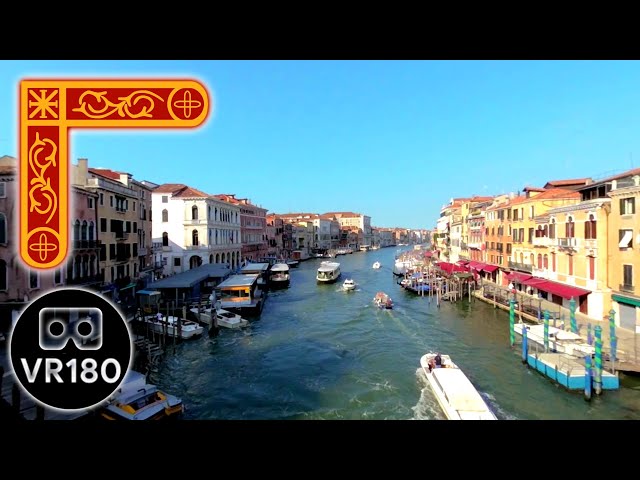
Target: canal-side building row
[(574, 238)]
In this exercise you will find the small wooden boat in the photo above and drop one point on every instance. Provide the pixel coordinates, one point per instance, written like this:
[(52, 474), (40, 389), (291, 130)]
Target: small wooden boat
[(382, 300)]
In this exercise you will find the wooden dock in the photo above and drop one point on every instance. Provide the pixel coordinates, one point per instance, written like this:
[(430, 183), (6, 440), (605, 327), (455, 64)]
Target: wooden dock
[(568, 371)]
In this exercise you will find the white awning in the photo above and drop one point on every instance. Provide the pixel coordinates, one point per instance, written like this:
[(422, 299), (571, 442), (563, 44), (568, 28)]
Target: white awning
[(626, 239)]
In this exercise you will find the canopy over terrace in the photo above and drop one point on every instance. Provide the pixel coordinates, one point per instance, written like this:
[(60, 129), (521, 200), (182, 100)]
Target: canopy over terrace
[(190, 283), (450, 268), (560, 289)]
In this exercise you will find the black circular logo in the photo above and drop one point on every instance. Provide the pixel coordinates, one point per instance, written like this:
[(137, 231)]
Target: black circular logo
[(70, 349)]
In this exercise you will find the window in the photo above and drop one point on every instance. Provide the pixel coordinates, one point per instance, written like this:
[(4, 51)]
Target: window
[(34, 280), (3, 190), (531, 212), (627, 206), (111, 200), (102, 199), (590, 228), (90, 202), (530, 235), (165, 215), (165, 199), (552, 229), (194, 237), (545, 262), (135, 227), (103, 224), (134, 206), (194, 213), (57, 276), (112, 251), (627, 275), (508, 248), (176, 261), (625, 238), (540, 260), (592, 268), (553, 262), (570, 264), (165, 239), (569, 228), (3, 275), (3, 229)]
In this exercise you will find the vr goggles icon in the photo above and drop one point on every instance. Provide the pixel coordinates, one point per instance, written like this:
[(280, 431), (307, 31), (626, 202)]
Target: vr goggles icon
[(59, 325)]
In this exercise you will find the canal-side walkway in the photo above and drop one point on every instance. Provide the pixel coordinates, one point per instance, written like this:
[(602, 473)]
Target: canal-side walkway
[(531, 309)]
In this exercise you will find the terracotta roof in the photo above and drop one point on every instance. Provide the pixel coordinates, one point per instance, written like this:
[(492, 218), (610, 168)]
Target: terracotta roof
[(571, 181), (344, 214), (7, 170), (556, 193), (180, 190), (628, 173), (169, 187), (480, 199), (105, 172), (534, 189), (225, 197), (190, 192)]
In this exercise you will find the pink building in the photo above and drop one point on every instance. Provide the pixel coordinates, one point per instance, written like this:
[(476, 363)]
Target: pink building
[(19, 283), (253, 227)]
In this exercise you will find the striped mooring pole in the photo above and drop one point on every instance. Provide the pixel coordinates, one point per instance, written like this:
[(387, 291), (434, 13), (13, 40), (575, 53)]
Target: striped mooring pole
[(612, 334), (512, 319), (525, 345), (546, 330), (589, 335), (572, 315), (587, 377), (598, 361)]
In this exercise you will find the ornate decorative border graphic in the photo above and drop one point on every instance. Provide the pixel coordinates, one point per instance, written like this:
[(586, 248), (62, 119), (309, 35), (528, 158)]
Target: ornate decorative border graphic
[(48, 109)]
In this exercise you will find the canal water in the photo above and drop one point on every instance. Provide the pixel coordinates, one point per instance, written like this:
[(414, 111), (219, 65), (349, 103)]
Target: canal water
[(318, 352)]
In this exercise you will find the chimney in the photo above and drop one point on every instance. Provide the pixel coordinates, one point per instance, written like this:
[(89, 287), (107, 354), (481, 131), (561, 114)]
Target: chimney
[(80, 172), (124, 178)]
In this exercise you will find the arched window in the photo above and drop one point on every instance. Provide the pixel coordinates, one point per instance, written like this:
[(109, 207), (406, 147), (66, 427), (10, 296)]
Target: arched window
[(216, 213), (91, 230), (521, 258), (194, 237), (532, 259), (553, 262), (545, 231), (569, 228), (83, 230), (552, 228), (545, 260), (165, 239), (76, 230), (165, 215), (590, 228), (3, 275), (211, 258), (539, 260), (3, 229), (194, 212)]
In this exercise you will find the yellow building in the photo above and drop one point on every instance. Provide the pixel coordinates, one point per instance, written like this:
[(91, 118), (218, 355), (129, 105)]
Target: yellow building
[(624, 254)]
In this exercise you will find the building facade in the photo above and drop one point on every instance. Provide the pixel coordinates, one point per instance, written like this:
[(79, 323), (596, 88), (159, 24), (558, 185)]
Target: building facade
[(253, 227)]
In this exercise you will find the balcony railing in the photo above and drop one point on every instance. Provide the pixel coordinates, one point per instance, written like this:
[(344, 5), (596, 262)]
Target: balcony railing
[(474, 245), (122, 236), (568, 242), (86, 244), (85, 280), (627, 288), (195, 221), (521, 266), (142, 251), (543, 241)]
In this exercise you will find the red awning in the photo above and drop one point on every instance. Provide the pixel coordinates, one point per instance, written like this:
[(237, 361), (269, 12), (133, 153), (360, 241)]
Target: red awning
[(428, 254), (519, 277), (462, 262), (490, 268), (476, 265), (560, 289)]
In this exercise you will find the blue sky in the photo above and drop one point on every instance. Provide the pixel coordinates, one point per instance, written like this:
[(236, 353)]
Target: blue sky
[(392, 139)]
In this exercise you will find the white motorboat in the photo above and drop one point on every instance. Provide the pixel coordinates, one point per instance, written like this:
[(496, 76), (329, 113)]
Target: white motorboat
[(183, 329), (229, 319), (280, 276), (376, 265), (455, 393), (349, 284), (138, 400), (560, 340), (328, 272)]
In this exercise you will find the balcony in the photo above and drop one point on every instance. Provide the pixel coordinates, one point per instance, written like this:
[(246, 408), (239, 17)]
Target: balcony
[(195, 247), (142, 251), (521, 267), (626, 288), (195, 221), (85, 280), (568, 242), (543, 241), (474, 245), (122, 236), (112, 186), (80, 244), (591, 244)]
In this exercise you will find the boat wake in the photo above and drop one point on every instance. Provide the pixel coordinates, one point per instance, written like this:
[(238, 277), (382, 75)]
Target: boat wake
[(495, 408), (427, 407)]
